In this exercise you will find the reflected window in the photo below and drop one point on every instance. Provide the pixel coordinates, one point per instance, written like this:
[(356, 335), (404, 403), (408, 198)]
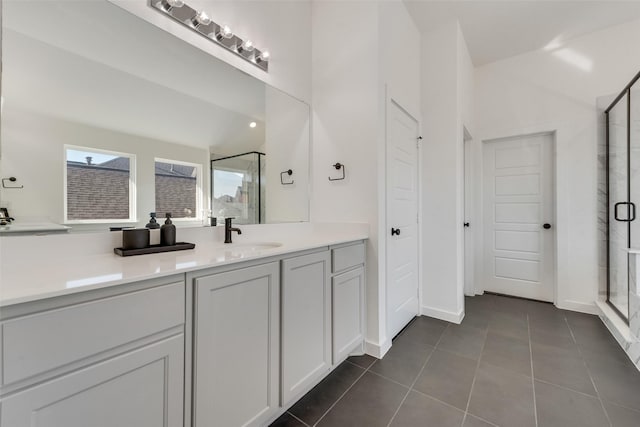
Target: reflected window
[(100, 186), (177, 189)]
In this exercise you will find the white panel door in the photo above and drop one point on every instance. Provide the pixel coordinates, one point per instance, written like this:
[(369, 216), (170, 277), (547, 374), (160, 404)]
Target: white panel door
[(402, 219), (518, 217), (469, 285)]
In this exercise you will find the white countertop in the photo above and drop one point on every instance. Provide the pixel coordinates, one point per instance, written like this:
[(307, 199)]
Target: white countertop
[(30, 271)]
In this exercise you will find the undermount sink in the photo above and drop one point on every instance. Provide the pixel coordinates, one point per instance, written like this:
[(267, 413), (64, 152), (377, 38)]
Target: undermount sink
[(233, 251), (252, 247)]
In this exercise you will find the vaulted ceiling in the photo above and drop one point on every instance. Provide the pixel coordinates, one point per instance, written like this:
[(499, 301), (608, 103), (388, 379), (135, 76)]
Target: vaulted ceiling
[(496, 30)]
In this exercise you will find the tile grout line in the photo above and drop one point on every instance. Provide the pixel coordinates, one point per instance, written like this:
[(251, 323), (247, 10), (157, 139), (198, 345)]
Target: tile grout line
[(475, 374), (566, 388), (342, 395), (293, 416), (415, 380), (453, 407), (621, 406), (533, 380), (359, 366), (584, 361), (389, 379)]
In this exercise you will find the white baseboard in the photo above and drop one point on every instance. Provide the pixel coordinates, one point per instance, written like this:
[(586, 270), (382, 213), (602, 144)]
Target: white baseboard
[(578, 306), (448, 316), (377, 350)]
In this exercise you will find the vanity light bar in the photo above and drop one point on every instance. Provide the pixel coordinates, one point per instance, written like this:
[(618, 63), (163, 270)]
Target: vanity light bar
[(202, 24)]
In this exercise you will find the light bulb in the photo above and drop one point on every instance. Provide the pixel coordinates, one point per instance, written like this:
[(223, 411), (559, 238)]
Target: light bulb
[(253, 124), (264, 56), (170, 4), (248, 46), (224, 32), (202, 18)]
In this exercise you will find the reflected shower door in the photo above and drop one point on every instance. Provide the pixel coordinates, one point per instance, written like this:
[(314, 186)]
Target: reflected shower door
[(238, 188)]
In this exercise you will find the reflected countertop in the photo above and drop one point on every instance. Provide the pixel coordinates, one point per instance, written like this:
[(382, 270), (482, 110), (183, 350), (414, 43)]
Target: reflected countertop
[(29, 278)]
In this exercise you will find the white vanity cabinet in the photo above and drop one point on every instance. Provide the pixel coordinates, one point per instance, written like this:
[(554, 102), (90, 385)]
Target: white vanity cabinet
[(103, 359), (224, 346), (347, 289), (236, 371), (306, 322)]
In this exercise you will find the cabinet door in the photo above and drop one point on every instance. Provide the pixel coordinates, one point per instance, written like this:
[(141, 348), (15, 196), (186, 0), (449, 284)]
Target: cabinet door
[(348, 313), (236, 366), (142, 388), (306, 322)]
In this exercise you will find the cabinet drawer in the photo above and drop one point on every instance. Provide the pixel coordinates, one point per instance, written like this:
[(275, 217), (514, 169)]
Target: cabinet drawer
[(37, 343), (141, 388), (347, 257)]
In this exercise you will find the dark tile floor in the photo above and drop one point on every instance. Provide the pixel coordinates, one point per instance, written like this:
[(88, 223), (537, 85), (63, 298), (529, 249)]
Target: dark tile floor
[(511, 363)]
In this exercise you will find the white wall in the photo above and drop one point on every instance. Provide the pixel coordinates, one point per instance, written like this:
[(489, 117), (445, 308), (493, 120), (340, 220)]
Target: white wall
[(556, 90), (352, 77), (287, 147), (282, 27), (345, 110), (447, 109)]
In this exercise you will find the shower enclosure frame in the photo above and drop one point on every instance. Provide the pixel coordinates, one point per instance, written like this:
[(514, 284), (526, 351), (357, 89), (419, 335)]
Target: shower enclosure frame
[(625, 92), (260, 157)]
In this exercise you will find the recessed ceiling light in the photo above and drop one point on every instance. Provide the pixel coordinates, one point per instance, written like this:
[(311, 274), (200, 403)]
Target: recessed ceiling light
[(253, 124)]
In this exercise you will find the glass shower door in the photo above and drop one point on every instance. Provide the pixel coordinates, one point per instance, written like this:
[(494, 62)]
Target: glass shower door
[(621, 211), (238, 188)]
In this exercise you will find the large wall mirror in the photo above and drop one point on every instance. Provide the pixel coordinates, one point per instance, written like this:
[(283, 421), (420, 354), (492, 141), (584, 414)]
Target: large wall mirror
[(106, 118)]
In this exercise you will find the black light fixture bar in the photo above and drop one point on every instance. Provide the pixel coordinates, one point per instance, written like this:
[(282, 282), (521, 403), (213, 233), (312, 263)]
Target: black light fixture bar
[(199, 22)]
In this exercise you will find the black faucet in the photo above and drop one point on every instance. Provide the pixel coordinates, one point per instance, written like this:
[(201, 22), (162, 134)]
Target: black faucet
[(228, 229)]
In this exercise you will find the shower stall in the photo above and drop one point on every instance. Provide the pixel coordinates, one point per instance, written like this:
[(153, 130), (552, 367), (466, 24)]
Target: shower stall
[(622, 124), (238, 188)]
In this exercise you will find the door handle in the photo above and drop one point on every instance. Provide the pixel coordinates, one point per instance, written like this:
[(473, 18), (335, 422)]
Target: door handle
[(466, 224), (546, 226), (631, 212), (395, 231)]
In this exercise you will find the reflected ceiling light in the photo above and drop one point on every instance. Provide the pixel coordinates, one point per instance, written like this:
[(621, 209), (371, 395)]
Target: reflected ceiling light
[(222, 35), (253, 124)]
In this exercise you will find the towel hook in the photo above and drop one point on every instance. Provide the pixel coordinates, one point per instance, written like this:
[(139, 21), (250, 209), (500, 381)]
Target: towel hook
[(338, 167), (10, 179), (288, 172)]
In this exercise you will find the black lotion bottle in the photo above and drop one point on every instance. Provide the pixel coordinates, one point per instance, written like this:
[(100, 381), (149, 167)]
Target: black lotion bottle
[(168, 232)]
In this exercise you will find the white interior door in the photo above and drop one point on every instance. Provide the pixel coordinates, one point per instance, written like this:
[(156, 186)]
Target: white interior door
[(518, 220), (469, 284), (402, 218)]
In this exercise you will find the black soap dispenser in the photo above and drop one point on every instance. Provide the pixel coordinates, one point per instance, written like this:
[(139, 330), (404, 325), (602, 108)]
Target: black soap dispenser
[(152, 224), (154, 230), (168, 232)]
